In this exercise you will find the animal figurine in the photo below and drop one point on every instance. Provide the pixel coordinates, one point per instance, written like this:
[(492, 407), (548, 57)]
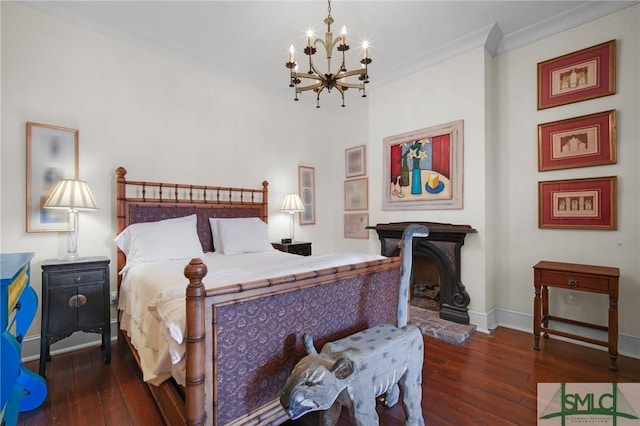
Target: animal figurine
[(357, 369)]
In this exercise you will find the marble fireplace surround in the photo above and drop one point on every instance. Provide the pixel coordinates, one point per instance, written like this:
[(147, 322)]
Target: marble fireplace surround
[(442, 247)]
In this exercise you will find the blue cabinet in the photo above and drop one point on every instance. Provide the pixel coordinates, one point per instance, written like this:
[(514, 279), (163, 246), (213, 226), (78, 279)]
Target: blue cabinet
[(22, 389)]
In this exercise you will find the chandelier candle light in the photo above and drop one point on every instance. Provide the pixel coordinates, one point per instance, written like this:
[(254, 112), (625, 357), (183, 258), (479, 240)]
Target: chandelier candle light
[(328, 80), (291, 204), (71, 195)]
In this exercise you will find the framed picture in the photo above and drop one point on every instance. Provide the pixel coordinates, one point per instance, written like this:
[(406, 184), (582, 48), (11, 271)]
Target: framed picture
[(307, 192), (578, 203), (423, 168), (585, 74), (355, 225), (356, 194), (589, 140), (52, 154), (355, 161)]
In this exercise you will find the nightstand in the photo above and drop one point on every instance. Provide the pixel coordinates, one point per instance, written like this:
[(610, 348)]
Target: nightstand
[(297, 247), (75, 297)]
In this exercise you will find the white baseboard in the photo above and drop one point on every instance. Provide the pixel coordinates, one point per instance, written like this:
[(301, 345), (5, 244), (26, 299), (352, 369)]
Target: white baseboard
[(628, 345)]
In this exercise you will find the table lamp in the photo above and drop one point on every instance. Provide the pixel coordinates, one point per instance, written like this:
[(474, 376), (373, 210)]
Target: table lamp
[(71, 195), (291, 204)]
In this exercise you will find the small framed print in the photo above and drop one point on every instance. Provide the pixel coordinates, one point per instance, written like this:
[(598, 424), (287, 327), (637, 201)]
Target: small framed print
[(578, 203), (355, 161), (585, 74), (307, 192), (356, 195), (355, 225), (589, 140), (52, 154)]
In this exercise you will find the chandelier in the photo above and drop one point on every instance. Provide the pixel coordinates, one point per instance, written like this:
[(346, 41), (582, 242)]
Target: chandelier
[(338, 80)]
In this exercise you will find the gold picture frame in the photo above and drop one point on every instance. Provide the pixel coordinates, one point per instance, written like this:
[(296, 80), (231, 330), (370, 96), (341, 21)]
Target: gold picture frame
[(355, 161), (52, 154), (356, 194), (577, 76), (355, 225), (307, 192), (589, 203)]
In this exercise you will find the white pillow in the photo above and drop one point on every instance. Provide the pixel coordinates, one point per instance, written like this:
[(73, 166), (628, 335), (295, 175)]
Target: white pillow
[(215, 233), (244, 235), (160, 241)]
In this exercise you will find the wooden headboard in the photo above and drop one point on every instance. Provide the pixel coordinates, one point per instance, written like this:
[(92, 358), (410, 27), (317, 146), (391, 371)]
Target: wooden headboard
[(138, 201)]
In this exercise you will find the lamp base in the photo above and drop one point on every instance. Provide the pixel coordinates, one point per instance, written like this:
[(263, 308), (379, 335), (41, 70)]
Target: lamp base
[(286, 241)]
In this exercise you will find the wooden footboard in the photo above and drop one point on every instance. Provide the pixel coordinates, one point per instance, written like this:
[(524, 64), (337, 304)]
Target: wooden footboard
[(243, 340)]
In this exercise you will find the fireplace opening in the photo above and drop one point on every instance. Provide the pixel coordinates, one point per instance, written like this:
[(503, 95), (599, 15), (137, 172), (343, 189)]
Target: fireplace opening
[(425, 284), (435, 273)]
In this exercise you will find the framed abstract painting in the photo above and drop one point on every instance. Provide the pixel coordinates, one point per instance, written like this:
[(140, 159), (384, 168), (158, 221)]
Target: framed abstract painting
[(355, 161), (356, 194), (307, 192), (423, 168), (52, 154)]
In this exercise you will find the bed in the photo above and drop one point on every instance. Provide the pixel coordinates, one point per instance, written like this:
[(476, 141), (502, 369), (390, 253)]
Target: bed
[(242, 335)]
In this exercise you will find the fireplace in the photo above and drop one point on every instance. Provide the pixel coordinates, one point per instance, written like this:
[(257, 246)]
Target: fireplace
[(435, 274)]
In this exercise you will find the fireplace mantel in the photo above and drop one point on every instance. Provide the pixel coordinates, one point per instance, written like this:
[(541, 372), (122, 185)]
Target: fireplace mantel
[(388, 232), (442, 245)]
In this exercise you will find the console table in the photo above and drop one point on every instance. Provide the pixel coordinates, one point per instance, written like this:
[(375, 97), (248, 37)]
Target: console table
[(576, 277)]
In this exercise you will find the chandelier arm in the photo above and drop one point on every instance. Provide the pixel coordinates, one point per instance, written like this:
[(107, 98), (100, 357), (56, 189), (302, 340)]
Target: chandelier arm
[(309, 76), (311, 87), (350, 85), (350, 73)]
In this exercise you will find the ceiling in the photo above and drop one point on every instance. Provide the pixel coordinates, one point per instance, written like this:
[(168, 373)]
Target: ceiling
[(249, 40)]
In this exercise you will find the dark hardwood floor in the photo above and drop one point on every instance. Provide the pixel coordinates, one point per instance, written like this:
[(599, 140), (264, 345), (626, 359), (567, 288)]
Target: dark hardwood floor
[(484, 381)]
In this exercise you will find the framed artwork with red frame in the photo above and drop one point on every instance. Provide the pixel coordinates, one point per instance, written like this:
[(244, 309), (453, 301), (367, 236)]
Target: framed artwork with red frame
[(589, 140), (589, 203), (585, 74)]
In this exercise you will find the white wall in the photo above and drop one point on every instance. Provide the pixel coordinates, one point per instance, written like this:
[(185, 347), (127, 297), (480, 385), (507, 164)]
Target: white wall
[(167, 121), (161, 119), (440, 94), (496, 97), (519, 244)]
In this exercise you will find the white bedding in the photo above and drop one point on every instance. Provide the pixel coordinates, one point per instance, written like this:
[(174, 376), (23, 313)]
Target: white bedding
[(153, 308)]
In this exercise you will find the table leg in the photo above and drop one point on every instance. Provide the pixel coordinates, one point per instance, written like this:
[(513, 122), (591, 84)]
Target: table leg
[(613, 328), (545, 308), (537, 308)]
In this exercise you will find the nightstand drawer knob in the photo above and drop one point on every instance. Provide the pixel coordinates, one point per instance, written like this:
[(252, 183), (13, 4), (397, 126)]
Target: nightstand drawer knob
[(77, 300), (572, 282), (78, 278)]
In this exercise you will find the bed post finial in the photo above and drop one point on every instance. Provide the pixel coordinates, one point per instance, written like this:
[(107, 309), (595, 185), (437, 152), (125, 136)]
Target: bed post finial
[(195, 271), (121, 172)]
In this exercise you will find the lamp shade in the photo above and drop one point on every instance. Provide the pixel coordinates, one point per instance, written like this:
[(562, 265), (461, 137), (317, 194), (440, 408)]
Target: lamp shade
[(71, 194), (292, 203)]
